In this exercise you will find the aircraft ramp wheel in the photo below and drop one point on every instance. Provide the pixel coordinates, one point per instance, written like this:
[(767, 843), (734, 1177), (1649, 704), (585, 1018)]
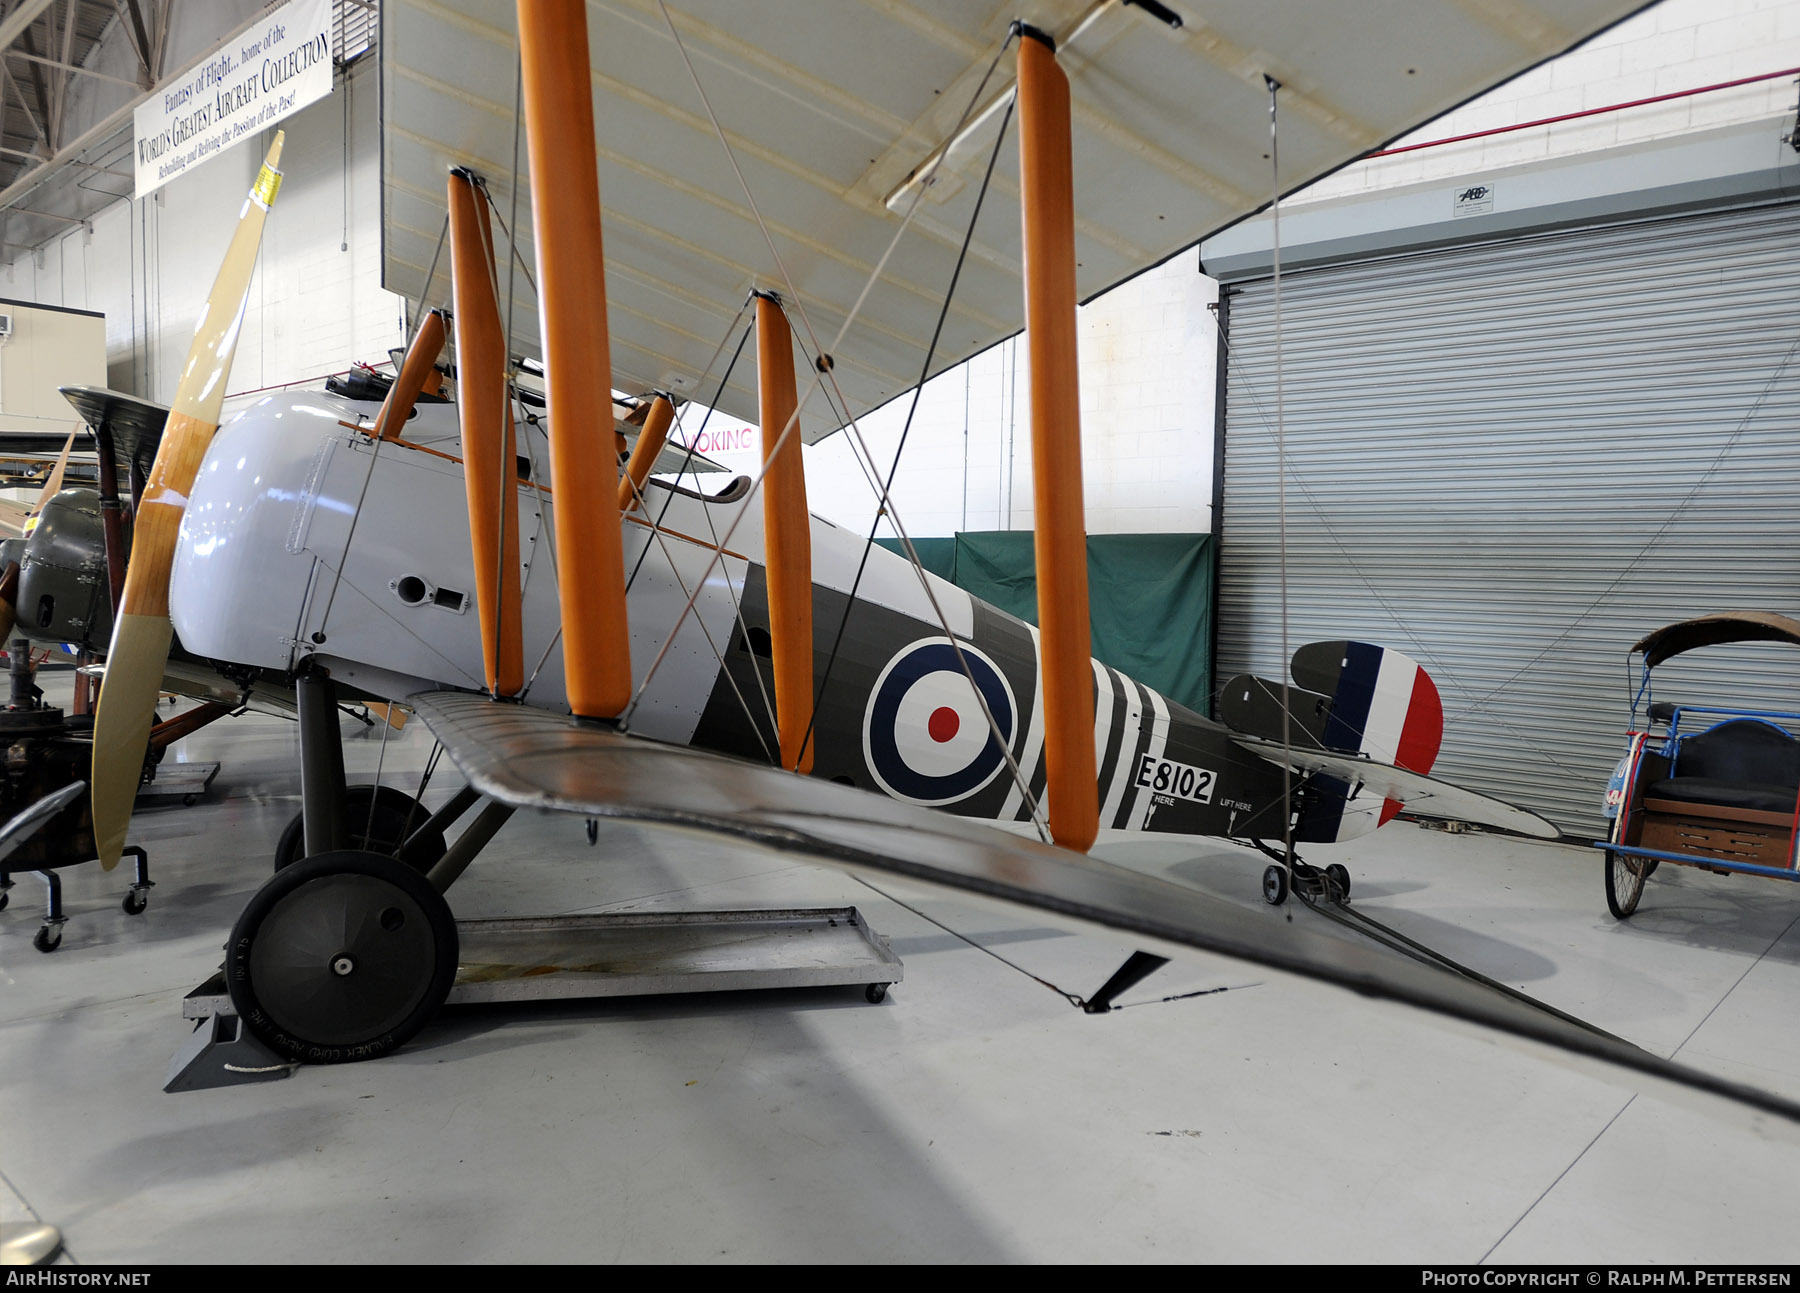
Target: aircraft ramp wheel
[(396, 816), (341, 956), (1275, 885), (1625, 878)]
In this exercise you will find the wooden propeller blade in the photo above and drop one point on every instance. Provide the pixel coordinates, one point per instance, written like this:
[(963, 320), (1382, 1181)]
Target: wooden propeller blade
[(54, 484), (142, 632)]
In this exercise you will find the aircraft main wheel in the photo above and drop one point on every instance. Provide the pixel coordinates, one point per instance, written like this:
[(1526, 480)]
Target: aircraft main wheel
[(341, 956), (1275, 885), (397, 815), (1625, 878), (1339, 876)]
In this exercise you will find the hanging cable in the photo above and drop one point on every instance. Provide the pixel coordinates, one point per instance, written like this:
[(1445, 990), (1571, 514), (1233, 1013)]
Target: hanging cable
[(1287, 774)]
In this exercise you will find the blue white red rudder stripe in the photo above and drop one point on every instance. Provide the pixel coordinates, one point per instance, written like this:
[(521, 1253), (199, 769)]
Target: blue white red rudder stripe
[(1383, 705)]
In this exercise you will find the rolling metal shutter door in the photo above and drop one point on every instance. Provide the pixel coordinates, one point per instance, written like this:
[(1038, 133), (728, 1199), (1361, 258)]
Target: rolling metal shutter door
[(1511, 461)]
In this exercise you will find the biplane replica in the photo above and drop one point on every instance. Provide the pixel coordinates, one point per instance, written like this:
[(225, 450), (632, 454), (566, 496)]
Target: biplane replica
[(1722, 795), (583, 636)]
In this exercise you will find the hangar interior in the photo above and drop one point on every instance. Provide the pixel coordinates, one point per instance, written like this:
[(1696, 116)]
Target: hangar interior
[(1504, 393)]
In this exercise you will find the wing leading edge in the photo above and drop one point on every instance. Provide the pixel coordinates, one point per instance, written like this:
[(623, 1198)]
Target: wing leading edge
[(532, 758)]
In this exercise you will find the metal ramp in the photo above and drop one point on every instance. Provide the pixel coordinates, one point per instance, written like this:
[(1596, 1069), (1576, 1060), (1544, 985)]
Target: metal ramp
[(557, 958)]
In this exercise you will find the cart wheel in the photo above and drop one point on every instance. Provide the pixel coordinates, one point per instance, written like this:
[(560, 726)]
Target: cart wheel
[(48, 938), (397, 815), (5, 898), (135, 902), (1275, 885), (876, 993), (341, 956), (1624, 883), (1339, 876)]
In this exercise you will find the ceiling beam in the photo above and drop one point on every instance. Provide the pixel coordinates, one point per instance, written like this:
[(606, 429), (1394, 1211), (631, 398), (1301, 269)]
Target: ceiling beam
[(71, 67), (19, 19)]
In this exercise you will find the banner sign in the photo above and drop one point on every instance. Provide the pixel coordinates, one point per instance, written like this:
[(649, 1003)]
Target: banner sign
[(277, 66)]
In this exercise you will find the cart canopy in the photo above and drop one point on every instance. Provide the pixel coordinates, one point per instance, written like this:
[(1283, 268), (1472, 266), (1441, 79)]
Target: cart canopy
[(1716, 630)]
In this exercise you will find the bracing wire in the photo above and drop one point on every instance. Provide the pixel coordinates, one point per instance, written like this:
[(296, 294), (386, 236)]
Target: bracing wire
[(822, 375), (906, 429)]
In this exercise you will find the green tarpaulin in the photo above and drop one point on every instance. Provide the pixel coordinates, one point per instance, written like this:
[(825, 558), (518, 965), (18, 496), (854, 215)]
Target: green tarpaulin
[(1149, 598)]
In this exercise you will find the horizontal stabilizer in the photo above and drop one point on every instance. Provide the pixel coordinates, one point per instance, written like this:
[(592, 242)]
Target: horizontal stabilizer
[(1252, 705), (532, 758), (1423, 796)]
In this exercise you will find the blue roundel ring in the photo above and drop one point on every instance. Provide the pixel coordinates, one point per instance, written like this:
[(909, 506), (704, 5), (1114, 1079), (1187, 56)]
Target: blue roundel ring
[(881, 722)]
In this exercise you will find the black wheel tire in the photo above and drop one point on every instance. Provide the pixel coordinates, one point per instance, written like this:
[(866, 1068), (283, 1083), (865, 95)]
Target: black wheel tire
[(1625, 878), (397, 815), (875, 993), (1275, 885), (135, 902), (284, 963), (1339, 876), (47, 939), (5, 898)]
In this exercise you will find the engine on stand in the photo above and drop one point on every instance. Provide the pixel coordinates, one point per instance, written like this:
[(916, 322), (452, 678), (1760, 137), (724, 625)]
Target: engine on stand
[(59, 595)]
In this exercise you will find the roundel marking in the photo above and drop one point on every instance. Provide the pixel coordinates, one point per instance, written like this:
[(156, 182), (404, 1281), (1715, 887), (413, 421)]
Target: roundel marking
[(924, 735)]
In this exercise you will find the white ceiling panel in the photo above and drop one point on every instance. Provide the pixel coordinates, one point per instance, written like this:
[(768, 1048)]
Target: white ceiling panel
[(830, 105)]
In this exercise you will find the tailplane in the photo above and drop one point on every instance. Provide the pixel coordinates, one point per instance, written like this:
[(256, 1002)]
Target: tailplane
[(1351, 698)]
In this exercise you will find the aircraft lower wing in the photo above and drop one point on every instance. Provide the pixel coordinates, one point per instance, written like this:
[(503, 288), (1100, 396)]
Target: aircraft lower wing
[(532, 758), (1423, 796)]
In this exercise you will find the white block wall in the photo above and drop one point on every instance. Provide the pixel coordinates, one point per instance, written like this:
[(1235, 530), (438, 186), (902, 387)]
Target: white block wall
[(1147, 353), (1677, 45), (315, 301)]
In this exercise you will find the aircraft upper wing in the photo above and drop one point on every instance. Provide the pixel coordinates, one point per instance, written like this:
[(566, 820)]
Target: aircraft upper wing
[(532, 758), (831, 108)]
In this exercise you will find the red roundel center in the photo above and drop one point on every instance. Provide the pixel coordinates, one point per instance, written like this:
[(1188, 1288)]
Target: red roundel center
[(943, 724)]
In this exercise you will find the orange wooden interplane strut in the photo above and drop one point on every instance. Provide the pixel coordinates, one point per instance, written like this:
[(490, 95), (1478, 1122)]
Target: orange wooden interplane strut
[(584, 468), (417, 371), (1047, 198), (787, 537), (490, 461), (650, 442), (141, 631)]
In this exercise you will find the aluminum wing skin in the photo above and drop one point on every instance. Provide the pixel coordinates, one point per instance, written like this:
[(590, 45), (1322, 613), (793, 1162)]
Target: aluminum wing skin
[(831, 106), (532, 758)]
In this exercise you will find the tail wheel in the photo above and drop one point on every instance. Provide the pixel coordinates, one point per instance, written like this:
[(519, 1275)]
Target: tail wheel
[(1275, 885), (341, 956), (1625, 876)]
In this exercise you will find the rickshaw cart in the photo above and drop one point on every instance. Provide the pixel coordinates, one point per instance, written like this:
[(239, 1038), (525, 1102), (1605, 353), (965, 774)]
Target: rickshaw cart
[(1723, 795)]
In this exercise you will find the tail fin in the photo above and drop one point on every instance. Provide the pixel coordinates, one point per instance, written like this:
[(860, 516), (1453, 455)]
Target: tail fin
[(1353, 697)]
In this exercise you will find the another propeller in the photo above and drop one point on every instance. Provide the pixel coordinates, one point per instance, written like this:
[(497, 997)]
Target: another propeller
[(141, 631)]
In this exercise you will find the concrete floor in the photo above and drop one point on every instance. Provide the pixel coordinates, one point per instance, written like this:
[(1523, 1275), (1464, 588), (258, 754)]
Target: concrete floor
[(973, 1116)]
